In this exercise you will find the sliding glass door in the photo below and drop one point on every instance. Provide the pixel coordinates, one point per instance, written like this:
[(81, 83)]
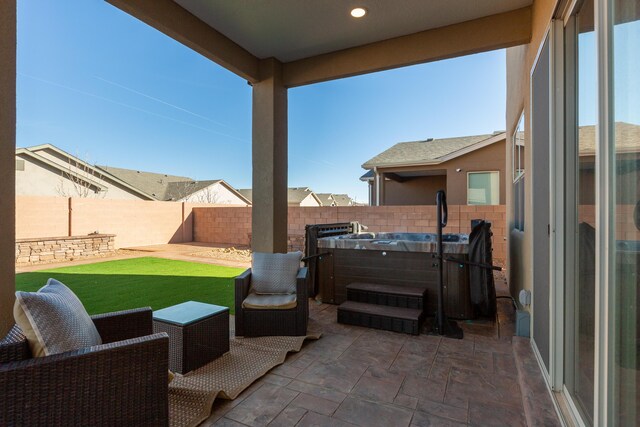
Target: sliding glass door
[(581, 227), (624, 186), (602, 224)]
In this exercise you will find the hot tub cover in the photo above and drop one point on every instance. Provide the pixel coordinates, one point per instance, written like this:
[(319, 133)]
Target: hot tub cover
[(483, 289)]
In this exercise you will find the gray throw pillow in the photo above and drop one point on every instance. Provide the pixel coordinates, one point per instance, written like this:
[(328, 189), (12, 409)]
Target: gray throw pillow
[(54, 320), (275, 273)]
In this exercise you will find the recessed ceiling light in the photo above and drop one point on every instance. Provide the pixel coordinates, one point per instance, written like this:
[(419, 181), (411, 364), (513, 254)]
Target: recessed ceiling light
[(358, 12)]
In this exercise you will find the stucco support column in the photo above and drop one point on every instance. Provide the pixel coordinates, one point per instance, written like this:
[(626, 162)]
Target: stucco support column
[(270, 167), (376, 186), (378, 182), (7, 162)]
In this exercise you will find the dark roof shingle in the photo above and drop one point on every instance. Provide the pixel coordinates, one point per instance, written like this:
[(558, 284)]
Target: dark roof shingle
[(161, 186), (429, 151)]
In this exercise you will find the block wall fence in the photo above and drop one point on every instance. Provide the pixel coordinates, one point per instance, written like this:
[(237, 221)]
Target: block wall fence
[(133, 222), (142, 223), (233, 225)]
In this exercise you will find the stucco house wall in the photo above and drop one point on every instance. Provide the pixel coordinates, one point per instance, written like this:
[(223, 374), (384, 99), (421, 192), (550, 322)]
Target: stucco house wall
[(520, 60), (35, 178), (417, 191), (422, 190), (216, 193), (309, 201)]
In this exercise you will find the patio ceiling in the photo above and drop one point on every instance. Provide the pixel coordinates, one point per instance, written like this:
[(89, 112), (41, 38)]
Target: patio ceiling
[(289, 30), (319, 40)]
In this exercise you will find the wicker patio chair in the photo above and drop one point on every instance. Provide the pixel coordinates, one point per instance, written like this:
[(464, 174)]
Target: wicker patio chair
[(122, 382), (272, 322)]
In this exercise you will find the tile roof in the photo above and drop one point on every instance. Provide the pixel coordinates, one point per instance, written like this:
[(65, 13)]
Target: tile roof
[(343, 200), (76, 162), (296, 195), (180, 190), (247, 193), (627, 139), (428, 151), (368, 175), (325, 198), (161, 186), (330, 199)]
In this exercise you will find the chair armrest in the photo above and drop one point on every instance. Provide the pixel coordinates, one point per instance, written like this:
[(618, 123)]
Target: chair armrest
[(302, 283), (243, 283), (14, 346), (121, 383), (123, 325)]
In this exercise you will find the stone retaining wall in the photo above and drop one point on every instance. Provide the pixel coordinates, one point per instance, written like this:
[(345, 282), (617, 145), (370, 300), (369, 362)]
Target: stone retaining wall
[(47, 249)]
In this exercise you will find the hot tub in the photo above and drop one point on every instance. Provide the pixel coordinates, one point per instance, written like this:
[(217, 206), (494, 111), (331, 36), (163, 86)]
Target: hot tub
[(401, 259)]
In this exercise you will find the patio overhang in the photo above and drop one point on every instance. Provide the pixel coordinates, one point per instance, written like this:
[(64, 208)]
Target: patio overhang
[(171, 19), (281, 44), (453, 33), (323, 45), (489, 33)]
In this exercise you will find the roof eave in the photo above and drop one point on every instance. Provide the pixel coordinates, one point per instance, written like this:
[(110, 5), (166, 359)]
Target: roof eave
[(85, 164), (403, 164), (454, 154), (234, 191), (57, 166)]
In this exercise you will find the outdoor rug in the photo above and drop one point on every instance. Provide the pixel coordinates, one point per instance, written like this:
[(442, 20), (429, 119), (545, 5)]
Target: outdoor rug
[(191, 396)]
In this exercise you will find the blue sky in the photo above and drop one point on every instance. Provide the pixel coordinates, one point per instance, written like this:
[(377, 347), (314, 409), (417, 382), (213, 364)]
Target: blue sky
[(100, 84)]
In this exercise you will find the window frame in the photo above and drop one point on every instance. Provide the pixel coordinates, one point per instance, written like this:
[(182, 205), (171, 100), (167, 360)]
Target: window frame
[(517, 151), (478, 172), (518, 186)]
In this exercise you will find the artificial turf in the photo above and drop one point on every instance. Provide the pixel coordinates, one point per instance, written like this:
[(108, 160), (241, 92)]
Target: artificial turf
[(139, 282)]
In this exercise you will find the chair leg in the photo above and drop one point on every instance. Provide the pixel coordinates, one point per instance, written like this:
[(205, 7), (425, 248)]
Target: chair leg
[(239, 323)]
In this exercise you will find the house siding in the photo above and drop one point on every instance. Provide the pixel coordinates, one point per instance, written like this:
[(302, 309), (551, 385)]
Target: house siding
[(309, 201), (215, 193), (421, 191), (417, 191), (520, 61), (39, 179)]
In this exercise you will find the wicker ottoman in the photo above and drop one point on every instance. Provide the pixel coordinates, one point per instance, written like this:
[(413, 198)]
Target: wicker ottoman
[(198, 333)]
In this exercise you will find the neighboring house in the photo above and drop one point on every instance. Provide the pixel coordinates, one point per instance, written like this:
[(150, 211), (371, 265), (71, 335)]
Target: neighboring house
[(471, 169), (330, 199), (296, 196), (179, 188), (46, 170), (627, 156)]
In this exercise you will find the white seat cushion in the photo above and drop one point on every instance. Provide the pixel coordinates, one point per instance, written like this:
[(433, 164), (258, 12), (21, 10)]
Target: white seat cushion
[(275, 273), (54, 320), (270, 301)]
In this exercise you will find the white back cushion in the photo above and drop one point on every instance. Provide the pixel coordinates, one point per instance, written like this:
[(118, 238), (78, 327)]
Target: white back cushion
[(275, 273), (54, 320)]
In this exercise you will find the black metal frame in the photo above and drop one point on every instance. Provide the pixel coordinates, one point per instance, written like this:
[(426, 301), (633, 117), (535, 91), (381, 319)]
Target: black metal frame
[(441, 324)]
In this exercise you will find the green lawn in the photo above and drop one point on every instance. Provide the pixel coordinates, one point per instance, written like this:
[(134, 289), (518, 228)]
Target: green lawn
[(139, 282)]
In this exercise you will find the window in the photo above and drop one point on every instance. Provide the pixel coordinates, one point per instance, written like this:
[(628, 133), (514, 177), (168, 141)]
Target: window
[(483, 188), (518, 150), (518, 175)]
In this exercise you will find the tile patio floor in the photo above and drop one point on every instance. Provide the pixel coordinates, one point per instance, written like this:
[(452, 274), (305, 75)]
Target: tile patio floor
[(365, 377)]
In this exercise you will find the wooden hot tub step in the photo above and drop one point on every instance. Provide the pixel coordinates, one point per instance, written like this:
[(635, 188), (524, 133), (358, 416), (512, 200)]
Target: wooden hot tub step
[(394, 296), (396, 319)]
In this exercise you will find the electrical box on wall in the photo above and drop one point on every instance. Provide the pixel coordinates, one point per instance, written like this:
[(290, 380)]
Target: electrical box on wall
[(523, 323)]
